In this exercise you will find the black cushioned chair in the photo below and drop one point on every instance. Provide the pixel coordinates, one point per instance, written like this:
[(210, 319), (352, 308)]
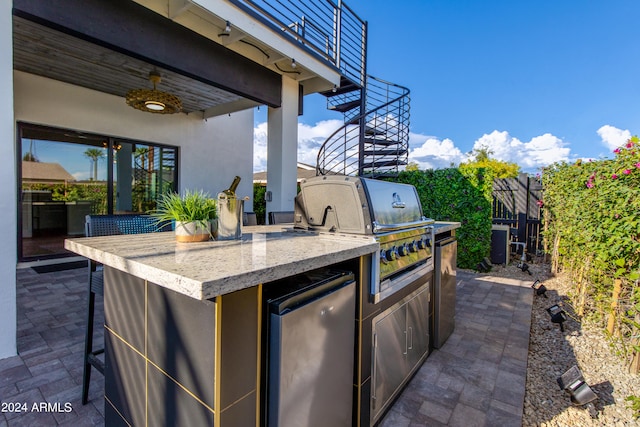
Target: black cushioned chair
[(249, 218), (281, 217), (107, 225)]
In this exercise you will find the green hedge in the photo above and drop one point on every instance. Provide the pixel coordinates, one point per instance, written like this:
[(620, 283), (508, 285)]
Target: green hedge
[(462, 195), (259, 204), (456, 194), (592, 231)]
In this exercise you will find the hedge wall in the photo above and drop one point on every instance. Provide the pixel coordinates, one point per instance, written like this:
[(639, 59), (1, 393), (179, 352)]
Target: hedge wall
[(462, 195), (455, 194), (592, 231)]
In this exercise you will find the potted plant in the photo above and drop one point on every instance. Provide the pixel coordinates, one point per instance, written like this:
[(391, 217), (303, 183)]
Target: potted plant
[(192, 214)]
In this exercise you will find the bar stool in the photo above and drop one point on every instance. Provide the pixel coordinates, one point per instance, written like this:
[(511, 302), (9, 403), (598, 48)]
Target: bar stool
[(106, 225)]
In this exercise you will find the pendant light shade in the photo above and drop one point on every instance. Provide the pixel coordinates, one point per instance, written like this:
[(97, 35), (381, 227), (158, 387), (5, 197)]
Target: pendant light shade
[(153, 100)]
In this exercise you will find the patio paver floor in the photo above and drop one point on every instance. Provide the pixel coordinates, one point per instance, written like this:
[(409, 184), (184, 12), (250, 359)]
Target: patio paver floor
[(476, 379)]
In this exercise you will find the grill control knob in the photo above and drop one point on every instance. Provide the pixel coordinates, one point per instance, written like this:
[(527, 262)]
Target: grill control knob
[(391, 254), (403, 250), (412, 246), (422, 243)]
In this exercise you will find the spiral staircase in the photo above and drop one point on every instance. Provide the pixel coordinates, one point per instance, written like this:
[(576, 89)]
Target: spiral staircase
[(374, 140)]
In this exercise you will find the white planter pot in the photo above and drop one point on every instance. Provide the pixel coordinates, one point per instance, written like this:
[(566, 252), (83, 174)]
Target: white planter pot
[(193, 231)]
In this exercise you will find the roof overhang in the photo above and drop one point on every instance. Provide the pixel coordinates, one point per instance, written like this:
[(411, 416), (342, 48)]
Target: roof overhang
[(111, 46)]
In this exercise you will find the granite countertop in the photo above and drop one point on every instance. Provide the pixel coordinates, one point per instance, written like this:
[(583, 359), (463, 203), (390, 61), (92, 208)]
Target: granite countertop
[(209, 269)]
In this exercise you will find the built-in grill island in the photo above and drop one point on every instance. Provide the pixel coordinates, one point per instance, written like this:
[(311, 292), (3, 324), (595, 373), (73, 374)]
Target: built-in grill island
[(392, 315), (320, 325)]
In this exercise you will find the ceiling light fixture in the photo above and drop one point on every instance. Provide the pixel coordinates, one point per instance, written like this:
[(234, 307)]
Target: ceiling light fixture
[(153, 100), (227, 27), (293, 63)]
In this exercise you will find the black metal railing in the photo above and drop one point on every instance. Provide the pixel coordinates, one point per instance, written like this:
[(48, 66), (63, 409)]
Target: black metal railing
[(325, 28), (373, 143)]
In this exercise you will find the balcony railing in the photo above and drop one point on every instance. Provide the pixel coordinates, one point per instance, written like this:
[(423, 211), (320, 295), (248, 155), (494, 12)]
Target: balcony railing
[(329, 30)]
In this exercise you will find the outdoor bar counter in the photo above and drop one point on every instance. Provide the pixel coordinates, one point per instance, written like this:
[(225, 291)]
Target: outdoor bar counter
[(183, 321)]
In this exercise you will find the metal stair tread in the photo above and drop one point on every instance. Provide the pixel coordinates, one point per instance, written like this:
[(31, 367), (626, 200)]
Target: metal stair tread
[(385, 152), (383, 163), (380, 141), (372, 131), (346, 86), (347, 106)]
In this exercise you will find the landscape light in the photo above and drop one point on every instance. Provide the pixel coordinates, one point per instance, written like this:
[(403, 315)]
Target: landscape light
[(539, 288), (573, 383), (557, 315), (484, 266)]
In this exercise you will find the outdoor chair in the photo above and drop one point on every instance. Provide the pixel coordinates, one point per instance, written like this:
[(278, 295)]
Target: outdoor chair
[(249, 218), (106, 225), (281, 217)]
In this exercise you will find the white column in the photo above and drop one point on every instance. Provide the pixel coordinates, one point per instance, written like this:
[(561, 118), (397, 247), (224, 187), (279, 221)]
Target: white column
[(282, 149), (8, 198)]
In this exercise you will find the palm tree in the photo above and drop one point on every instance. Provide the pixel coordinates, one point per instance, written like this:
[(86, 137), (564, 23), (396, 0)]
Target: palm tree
[(94, 154)]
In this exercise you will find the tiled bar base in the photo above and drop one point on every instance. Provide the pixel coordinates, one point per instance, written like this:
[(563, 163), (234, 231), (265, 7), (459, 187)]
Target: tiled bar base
[(174, 360)]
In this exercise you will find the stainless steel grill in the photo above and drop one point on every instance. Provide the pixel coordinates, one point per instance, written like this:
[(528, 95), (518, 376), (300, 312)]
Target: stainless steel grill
[(389, 212)]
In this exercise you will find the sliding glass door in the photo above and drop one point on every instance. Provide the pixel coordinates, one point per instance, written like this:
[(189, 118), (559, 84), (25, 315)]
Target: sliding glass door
[(65, 175)]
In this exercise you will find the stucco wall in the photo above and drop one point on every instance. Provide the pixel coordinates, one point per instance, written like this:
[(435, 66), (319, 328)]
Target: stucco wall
[(212, 151), (8, 201)]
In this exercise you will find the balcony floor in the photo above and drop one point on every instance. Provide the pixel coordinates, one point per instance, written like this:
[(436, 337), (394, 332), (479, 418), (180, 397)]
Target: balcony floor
[(476, 379)]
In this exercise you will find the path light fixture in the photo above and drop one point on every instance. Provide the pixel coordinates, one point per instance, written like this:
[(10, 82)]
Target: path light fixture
[(153, 100), (484, 266), (573, 383), (557, 315), (524, 267), (539, 288)]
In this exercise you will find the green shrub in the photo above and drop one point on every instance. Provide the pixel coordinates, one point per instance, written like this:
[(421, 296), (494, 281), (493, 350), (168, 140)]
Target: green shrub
[(461, 195), (259, 204), (592, 231)]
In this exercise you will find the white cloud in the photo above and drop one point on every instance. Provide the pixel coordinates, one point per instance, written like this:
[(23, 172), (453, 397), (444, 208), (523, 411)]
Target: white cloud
[(260, 147), (432, 153), (81, 176), (429, 152), (310, 138), (613, 137), (540, 151)]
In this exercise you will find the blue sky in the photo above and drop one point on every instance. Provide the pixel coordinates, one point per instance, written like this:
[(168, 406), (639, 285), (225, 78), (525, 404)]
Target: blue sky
[(535, 82)]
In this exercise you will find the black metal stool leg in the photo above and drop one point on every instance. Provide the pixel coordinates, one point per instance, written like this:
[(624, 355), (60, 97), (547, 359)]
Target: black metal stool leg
[(88, 347), (96, 287), (106, 225)]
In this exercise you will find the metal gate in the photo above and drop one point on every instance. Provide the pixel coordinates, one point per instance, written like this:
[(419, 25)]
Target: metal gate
[(517, 203)]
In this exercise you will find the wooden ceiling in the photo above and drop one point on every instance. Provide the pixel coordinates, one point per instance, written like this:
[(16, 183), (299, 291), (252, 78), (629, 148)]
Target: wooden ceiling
[(49, 53)]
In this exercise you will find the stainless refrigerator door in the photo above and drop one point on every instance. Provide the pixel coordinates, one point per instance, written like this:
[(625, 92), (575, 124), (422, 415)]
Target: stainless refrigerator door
[(445, 291), (312, 362)]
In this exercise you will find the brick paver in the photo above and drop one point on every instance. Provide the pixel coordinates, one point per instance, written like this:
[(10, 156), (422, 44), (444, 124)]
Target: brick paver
[(478, 376), (476, 379), (46, 378)]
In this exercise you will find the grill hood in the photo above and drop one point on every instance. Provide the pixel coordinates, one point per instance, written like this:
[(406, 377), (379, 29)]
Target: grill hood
[(338, 203)]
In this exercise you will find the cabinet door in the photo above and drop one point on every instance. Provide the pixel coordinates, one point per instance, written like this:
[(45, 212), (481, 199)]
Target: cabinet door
[(418, 327), (389, 357)]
